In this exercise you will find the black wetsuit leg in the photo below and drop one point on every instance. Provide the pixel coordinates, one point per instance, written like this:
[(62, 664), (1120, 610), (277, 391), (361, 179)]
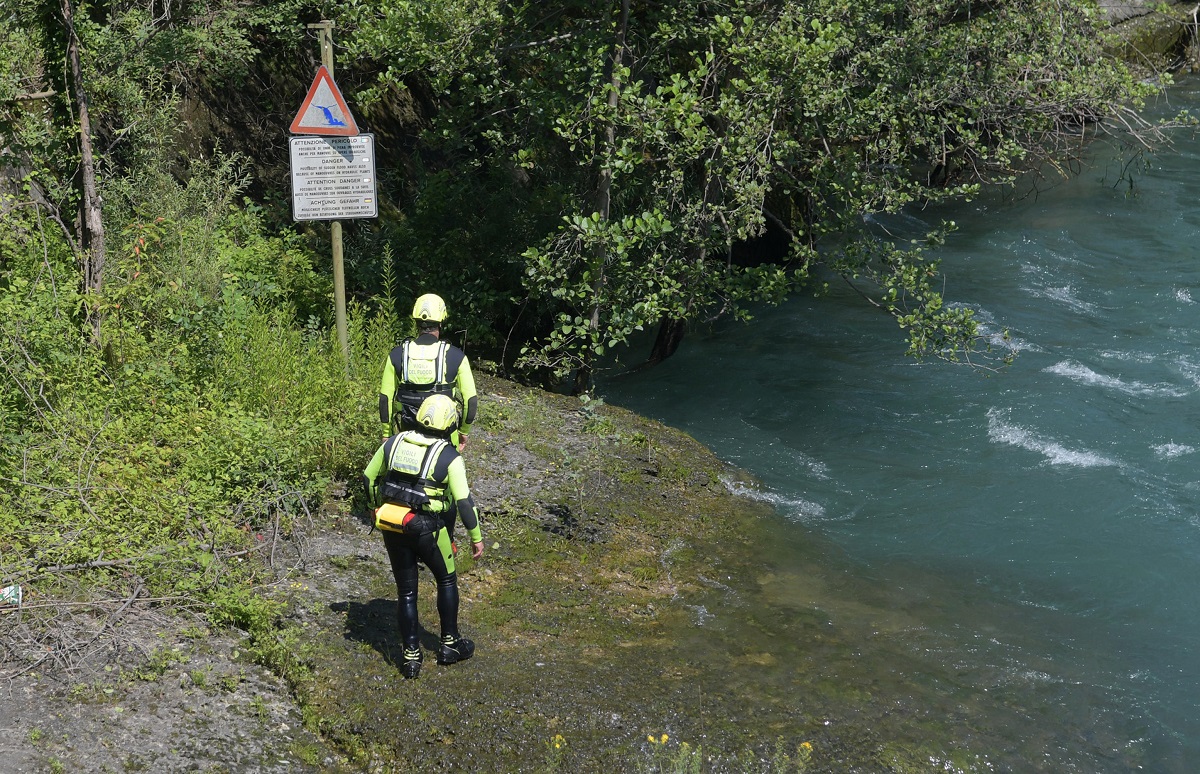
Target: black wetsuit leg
[(404, 551), (403, 557), (433, 552)]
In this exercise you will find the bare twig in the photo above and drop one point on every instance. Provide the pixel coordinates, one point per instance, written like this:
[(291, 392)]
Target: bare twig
[(85, 565), (537, 43), (274, 538), (33, 95), (95, 603), (259, 547)]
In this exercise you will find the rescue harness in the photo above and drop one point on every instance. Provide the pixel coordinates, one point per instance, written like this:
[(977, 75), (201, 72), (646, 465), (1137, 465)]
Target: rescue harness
[(407, 492), (421, 372)]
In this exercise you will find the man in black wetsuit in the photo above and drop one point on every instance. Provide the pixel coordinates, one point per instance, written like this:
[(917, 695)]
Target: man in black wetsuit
[(425, 366), (417, 483)]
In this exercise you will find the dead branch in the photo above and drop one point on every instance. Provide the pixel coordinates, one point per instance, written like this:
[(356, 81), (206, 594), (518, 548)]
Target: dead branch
[(33, 96), (58, 652), (88, 565), (94, 603)]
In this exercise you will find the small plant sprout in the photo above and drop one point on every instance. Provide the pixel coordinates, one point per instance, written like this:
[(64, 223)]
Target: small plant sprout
[(556, 748)]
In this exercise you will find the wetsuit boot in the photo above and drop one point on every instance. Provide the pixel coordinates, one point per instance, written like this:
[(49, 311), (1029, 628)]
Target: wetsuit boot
[(455, 649), (411, 666)]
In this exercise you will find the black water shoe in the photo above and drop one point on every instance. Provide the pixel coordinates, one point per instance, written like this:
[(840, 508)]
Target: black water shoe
[(454, 651), (411, 666)]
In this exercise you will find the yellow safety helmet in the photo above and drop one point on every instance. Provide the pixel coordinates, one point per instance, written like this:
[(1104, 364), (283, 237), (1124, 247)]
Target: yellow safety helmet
[(438, 412), (429, 308)]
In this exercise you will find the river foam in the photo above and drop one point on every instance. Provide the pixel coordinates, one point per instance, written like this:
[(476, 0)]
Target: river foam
[(805, 510), (1066, 295), (1000, 430), (1170, 450), (1077, 372)]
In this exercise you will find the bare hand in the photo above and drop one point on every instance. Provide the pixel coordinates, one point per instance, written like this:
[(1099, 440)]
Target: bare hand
[(476, 550)]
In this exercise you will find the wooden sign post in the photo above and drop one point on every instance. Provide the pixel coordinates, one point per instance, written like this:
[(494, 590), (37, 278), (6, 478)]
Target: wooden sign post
[(325, 40)]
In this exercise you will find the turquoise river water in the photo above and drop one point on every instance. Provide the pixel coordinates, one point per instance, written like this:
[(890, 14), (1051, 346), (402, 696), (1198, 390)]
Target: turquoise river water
[(1039, 526)]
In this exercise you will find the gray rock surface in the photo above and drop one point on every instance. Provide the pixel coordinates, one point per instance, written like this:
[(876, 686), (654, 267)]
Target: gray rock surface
[(1120, 10)]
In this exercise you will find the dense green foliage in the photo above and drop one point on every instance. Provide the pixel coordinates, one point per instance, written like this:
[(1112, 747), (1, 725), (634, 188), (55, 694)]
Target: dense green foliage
[(210, 416), (584, 171), (213, 411), (667, 135)]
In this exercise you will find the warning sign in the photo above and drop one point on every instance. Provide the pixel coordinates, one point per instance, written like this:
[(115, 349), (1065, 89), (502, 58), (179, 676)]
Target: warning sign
[(324, 110), (333, 178)]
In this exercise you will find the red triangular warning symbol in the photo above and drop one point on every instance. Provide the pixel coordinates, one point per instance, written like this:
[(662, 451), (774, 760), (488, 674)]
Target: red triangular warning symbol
[(324, 111)]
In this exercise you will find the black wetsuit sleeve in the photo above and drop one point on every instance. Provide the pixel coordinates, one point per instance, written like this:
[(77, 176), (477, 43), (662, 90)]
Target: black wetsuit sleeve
[(464, 380), (375, 471), (387, 388), (458, 370), (451, 470)]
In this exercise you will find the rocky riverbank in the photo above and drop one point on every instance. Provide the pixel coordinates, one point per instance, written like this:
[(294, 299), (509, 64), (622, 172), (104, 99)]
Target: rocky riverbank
[(631, 614), (1153, 36), (600, 528)]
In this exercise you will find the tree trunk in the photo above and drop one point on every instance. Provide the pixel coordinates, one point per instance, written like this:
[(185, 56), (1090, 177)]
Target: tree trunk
[(91, 236), (670, 335), (583, 376)]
